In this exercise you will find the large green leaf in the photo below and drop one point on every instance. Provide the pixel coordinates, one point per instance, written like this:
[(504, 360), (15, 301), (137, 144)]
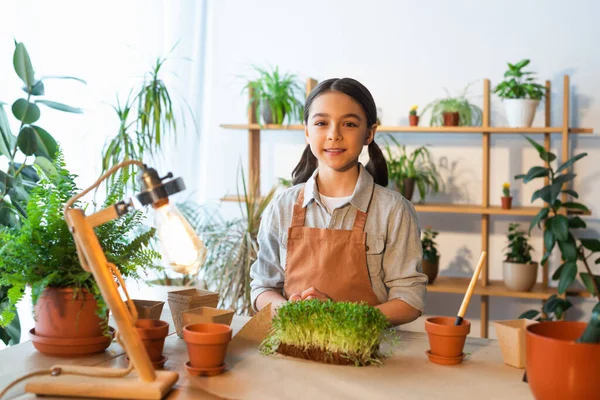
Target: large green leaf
[(559, 224), (549, 240), (45, 77), (548, 193), (539, 217), (575, 206), (570, 162), (36, 90), (530, 314), (591, 244), (548, 156), (25, 111), (7, 139), (8, 215), (563, 178), (571, 192), (22, 64), (556, 274), (568, 249), (588, 282), (576, 223), (537, 146), (47, 146), (536, 172), (47, 167), (27, 140), (60, 106), (567, 276)]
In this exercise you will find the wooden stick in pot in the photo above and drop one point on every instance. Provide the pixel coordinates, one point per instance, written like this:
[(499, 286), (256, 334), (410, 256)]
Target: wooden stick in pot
[(467, 299)]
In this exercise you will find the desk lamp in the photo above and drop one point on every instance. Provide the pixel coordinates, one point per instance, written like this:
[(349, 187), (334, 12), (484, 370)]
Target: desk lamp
[(181, 249)]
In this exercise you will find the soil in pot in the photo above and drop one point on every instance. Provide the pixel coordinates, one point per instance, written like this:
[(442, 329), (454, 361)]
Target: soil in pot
[(207, 344), (445, 338), (519, 277), (431, 268), (153, 333), (559, 368), (451, 118), (506, 202)]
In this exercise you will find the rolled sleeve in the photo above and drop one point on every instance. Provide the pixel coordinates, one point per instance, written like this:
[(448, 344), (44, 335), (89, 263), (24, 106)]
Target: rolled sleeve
[(266, 273), (402, 259)]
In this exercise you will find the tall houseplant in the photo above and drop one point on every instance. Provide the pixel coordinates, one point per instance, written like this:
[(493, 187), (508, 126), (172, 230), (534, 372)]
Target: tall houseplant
[(431, 256), (32, 145), (518, 269), (454, 111), (520, 93), (276, 96), (556, 349), (407, 170), (41, 253)]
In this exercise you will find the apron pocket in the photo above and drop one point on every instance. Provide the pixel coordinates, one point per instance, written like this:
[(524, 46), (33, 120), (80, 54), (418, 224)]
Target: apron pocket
[(375, 247)]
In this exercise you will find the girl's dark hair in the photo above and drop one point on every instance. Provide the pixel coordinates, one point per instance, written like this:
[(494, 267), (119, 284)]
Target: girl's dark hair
[(376, 166)]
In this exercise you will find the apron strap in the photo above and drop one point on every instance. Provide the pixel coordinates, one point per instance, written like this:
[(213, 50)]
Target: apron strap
[(359, 221), (299, 213)]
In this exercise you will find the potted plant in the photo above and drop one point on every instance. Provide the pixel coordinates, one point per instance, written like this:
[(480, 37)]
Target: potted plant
[(431, 257), (518, 271), (454, 111), (521, 95), (412, 116), (32, 145), (506, 198), (329, 332), (409, 170), (556, 349), (276, 96), (41, 253), (207, 346)]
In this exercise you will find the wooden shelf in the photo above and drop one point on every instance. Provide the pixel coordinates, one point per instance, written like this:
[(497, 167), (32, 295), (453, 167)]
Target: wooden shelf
[(424, 129), (495, 288)]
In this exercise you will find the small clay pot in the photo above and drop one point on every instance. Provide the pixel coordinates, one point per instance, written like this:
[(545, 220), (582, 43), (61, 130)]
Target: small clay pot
[(413, 120), (153, 333), (506, 202), (207, 344), (431, 268), (451, 118), (557, 366), (445, 338)]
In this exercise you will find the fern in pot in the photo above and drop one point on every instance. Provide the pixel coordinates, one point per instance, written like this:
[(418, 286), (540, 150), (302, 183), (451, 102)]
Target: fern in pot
[(275, 95), (521, 94), (454, 111), (518, 270)]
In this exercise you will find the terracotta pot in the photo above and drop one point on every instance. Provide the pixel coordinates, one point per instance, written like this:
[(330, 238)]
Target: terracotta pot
[(71, 347), (207, 344), (409, 188), (559, 368), (59, 315), (519, 277), (153, 333), (506, 202), (430, 268), (445, 338), (413, 120), (451, 118)]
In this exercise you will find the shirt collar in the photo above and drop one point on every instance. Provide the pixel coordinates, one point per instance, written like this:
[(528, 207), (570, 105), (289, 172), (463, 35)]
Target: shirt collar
[(362, 192)]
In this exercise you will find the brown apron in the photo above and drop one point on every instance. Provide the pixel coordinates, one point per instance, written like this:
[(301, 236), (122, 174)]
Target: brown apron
[(333, 261)]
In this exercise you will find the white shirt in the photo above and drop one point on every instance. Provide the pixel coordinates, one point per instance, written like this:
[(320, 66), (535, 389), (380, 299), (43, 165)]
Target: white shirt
[(331, 203)]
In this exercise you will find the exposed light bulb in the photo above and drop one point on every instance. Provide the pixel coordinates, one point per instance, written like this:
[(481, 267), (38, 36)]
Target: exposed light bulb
[(181, 248)]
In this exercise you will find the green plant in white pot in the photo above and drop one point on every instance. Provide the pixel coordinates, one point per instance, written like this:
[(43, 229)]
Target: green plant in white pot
[(518, 270), (521, 95)]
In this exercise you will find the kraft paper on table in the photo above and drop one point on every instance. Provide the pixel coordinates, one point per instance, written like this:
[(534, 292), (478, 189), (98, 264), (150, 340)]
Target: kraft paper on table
[(407, 374)]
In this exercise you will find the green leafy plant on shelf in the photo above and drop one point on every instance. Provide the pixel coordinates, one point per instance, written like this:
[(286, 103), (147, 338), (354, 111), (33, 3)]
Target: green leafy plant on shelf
[(330, 332), (469, 114), (407, 170), (276, 96), (32, 145), (560, 232), (41, 253), (430, 251), (519, 84), (519, 250)]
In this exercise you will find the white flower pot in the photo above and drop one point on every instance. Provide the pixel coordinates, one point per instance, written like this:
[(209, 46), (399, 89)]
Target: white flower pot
[(519, 277), (520, 112)]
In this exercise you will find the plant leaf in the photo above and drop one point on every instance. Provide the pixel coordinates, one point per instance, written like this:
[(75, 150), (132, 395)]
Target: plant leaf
[(591, 244), (36, 90), (588, 282), (62, 77), (539, 217), (60, 106), (8, 140), (22, 65), (536, 172), (570, 162), (576, 222), (47, 146), (568, 249), (567, 276), (529, 314), (571, 192), (25, 111), (575, 206), (556, 274), (47, 168), (559, 224), (27, 140)]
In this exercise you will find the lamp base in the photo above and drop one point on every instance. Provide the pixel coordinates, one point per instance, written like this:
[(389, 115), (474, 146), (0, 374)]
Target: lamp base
[(127, 387)]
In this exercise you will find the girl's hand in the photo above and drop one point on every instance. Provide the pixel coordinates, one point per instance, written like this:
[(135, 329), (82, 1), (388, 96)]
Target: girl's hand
[(314, 293), (295, 297)]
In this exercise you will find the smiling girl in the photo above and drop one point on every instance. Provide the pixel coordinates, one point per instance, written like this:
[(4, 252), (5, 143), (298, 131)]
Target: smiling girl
[(339, 233)]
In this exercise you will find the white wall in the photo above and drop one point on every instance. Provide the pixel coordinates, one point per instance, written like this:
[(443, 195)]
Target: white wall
[(405, 53)]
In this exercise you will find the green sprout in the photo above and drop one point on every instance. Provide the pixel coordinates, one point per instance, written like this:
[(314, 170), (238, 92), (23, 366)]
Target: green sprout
[(347, 330)]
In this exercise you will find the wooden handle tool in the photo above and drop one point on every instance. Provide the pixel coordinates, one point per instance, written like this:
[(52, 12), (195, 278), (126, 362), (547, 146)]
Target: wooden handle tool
[(467, 299)]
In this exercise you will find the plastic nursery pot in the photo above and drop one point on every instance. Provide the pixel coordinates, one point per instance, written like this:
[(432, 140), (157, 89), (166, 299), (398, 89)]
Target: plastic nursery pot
[(451, 118), (413, 120), (207, 344), (506, 202), (446, 339), (153, 333), (559, 368)]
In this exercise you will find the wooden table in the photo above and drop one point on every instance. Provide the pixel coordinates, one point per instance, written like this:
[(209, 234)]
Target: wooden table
[(407, 374)]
